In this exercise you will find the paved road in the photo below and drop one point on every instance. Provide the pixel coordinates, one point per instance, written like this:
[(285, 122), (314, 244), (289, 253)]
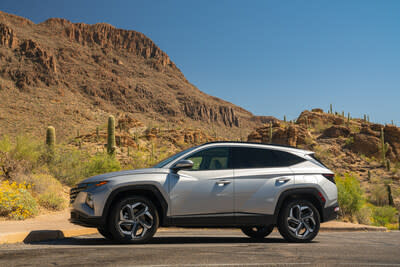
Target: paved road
[(211, 248)]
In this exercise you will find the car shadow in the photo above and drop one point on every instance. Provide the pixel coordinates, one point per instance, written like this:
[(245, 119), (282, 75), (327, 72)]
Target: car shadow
[(164, 240)]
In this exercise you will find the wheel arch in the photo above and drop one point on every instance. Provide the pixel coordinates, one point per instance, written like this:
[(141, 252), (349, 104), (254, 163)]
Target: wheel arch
[(149, 191), (310, 194)]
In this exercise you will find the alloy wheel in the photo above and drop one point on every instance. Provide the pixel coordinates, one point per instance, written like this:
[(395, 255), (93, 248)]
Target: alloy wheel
[(301, 222), (135, 220)]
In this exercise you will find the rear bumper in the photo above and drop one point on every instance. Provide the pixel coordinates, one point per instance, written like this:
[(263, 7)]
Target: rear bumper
[(330, 213), (82, 219)]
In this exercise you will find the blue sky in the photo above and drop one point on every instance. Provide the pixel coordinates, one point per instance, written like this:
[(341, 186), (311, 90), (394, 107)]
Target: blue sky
[(270, 57)]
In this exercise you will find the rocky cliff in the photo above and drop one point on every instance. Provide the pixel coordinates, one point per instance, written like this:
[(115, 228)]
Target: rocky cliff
[(72, 74)]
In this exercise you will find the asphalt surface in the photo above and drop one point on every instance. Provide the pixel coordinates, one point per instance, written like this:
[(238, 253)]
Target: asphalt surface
[(204, 247)]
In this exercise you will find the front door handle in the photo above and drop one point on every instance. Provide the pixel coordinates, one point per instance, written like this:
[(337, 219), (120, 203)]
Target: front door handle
[(222, 182), (283, 180)]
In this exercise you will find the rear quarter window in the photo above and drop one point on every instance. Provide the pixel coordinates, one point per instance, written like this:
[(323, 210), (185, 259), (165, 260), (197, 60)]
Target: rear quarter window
[(248, 157)]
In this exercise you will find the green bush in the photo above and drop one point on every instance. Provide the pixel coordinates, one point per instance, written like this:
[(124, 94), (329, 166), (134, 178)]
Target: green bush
[(16, 202), (350, 195), (68, 165), (101, 163), (385, 215), (52, 201)]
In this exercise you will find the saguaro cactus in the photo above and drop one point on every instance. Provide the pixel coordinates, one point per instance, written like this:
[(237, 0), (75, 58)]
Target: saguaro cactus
[(330, 109), (284, 118), (97, 133), (270, 132), (111, 135), (384, 147), (390, 198), (50, 137)]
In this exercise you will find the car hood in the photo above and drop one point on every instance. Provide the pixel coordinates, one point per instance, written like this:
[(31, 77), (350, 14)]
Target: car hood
[(111, 175)]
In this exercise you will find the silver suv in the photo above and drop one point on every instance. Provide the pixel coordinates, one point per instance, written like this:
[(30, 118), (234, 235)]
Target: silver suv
[(250, 186)]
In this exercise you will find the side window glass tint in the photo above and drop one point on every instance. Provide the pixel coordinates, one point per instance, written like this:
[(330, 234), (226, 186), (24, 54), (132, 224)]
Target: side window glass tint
[(211, 159), (247, 157)]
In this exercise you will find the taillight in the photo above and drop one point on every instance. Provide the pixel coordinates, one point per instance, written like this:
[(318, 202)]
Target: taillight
[(330, 177)]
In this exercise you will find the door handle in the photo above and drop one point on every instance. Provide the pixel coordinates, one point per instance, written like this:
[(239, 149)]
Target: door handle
[(283, 180), (222, 182)]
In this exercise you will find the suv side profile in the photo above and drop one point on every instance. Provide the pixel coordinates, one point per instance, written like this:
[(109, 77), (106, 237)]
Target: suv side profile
[(250, 186)]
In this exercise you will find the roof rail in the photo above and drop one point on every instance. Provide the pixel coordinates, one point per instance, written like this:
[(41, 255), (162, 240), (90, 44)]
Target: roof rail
[(243, 142)]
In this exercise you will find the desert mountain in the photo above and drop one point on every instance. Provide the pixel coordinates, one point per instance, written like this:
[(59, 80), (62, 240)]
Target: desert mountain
[(71, 75)]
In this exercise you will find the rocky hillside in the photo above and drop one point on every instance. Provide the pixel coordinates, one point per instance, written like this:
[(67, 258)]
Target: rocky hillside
[(71, 75), (345, 145)]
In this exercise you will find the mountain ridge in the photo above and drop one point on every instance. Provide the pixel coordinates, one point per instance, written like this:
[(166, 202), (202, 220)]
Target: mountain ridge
[(81, 72)]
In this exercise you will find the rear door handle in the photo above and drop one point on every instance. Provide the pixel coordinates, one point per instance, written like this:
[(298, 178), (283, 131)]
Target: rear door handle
[(222, 182)]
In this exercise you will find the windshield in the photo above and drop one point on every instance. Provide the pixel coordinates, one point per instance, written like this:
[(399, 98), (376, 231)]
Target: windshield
[(172, 158)]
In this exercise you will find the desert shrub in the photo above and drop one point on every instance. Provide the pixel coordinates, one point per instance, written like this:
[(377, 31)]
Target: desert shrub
[(385, 215), (19, 157), (101, 163), (41, 183), (5, 144), (350, 195), (68, 165), (364, 215), (379, 195), (16, 202), (52, 200)]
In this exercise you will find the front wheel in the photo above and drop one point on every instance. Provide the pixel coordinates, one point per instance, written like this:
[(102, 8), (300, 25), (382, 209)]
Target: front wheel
[(133, 220), (257, 232), (103, 230), (299, 221)]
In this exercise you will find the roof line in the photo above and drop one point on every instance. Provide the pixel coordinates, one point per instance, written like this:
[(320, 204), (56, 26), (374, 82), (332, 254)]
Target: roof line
[(244, 142)]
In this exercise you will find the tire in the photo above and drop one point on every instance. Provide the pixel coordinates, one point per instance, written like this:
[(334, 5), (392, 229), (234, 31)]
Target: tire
[(133, 220), (105, 232), (299, 221), (257, 232)]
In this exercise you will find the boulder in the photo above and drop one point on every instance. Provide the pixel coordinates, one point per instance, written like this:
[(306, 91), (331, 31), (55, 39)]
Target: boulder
[(336, 131), (392, 136)]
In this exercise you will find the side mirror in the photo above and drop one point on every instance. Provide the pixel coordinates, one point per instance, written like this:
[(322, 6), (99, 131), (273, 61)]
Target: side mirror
[(182, 165)]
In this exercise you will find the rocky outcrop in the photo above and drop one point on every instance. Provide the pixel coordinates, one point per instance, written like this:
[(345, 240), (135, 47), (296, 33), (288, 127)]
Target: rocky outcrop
[(204, 112), (33, 51), (392, 136), (107, 36), (335, 131), (314, 118), (292, 135), (8, 37)]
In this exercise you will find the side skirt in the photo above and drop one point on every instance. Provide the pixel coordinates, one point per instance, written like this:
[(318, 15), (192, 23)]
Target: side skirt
[(221, 220)]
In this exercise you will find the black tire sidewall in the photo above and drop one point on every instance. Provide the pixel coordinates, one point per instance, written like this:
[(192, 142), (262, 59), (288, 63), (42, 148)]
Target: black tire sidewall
[(105, 232), (283, 225), (114, 218), (247, 230)]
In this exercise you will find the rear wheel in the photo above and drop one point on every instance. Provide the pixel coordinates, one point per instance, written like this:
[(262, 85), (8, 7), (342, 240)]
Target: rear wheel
[(133, 220), (299, 221), (257, 232)]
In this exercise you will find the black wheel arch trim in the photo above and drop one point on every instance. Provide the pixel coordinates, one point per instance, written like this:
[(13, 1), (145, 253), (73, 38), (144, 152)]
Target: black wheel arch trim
[(294, 193), (161, 204)]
